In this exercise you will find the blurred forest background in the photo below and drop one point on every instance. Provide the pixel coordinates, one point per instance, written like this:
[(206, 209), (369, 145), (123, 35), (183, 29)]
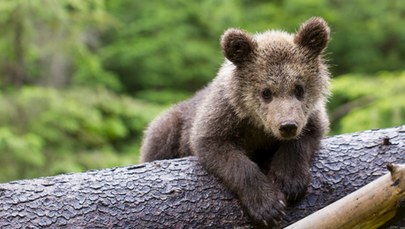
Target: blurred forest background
[(80, 80)]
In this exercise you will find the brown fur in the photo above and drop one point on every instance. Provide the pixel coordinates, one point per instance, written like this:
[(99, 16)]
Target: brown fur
[(257, 125)]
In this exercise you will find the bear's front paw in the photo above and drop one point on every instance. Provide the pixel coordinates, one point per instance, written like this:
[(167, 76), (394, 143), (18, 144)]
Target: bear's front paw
[(294, 187), (265, 209)]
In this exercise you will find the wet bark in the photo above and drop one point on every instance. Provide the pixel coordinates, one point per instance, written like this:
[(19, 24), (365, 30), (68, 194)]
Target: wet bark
[(180, 194)]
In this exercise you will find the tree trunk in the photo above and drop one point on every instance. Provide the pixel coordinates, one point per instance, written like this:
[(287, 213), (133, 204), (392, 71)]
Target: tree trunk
[(180, 194), (18, 73)]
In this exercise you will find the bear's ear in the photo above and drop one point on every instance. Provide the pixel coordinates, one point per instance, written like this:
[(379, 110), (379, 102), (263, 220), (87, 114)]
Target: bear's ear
[(238, 46), (313, 34)]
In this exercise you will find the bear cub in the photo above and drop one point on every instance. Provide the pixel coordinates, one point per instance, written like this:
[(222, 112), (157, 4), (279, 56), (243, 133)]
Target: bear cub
[(258, 123)]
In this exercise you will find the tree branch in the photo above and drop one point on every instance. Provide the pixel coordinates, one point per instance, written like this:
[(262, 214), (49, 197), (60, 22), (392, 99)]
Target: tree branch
[(369, 207), (180, 194)]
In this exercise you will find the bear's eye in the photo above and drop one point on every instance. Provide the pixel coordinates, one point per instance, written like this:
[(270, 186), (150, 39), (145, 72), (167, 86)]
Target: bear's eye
[(266, 94), (299, 92)]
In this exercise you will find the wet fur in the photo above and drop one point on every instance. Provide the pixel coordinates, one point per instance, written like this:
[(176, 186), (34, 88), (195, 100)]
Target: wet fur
[(235, 134)]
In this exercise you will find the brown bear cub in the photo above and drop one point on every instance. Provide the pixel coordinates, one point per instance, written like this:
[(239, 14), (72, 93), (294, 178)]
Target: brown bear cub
[(258, 123)]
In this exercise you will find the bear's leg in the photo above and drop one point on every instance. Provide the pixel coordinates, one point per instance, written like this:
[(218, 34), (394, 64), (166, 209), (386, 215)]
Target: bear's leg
[(290, 166), (263, 201), (162, 138)]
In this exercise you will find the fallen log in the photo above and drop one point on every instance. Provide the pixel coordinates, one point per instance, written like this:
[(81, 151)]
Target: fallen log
[(180, 194)]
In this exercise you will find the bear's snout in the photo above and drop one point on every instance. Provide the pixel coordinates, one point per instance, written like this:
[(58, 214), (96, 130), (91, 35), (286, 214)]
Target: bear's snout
[(288, 129)]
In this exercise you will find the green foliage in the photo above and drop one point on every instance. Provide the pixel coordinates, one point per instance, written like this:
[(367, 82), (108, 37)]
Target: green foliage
[(368, 38), (175, 44), (90, 72), (51, 42), (164, 97), (362, 102), (19, 154), (160, 46), (45, 131)]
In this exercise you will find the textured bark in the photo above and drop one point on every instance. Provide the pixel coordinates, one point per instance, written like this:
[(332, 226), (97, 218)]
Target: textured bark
[(180, 194)]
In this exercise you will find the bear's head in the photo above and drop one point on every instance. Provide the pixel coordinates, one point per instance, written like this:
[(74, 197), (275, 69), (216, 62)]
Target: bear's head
[(277, 79)]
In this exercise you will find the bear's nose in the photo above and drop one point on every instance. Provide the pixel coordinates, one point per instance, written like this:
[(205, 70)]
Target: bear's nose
[(288, 129)]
